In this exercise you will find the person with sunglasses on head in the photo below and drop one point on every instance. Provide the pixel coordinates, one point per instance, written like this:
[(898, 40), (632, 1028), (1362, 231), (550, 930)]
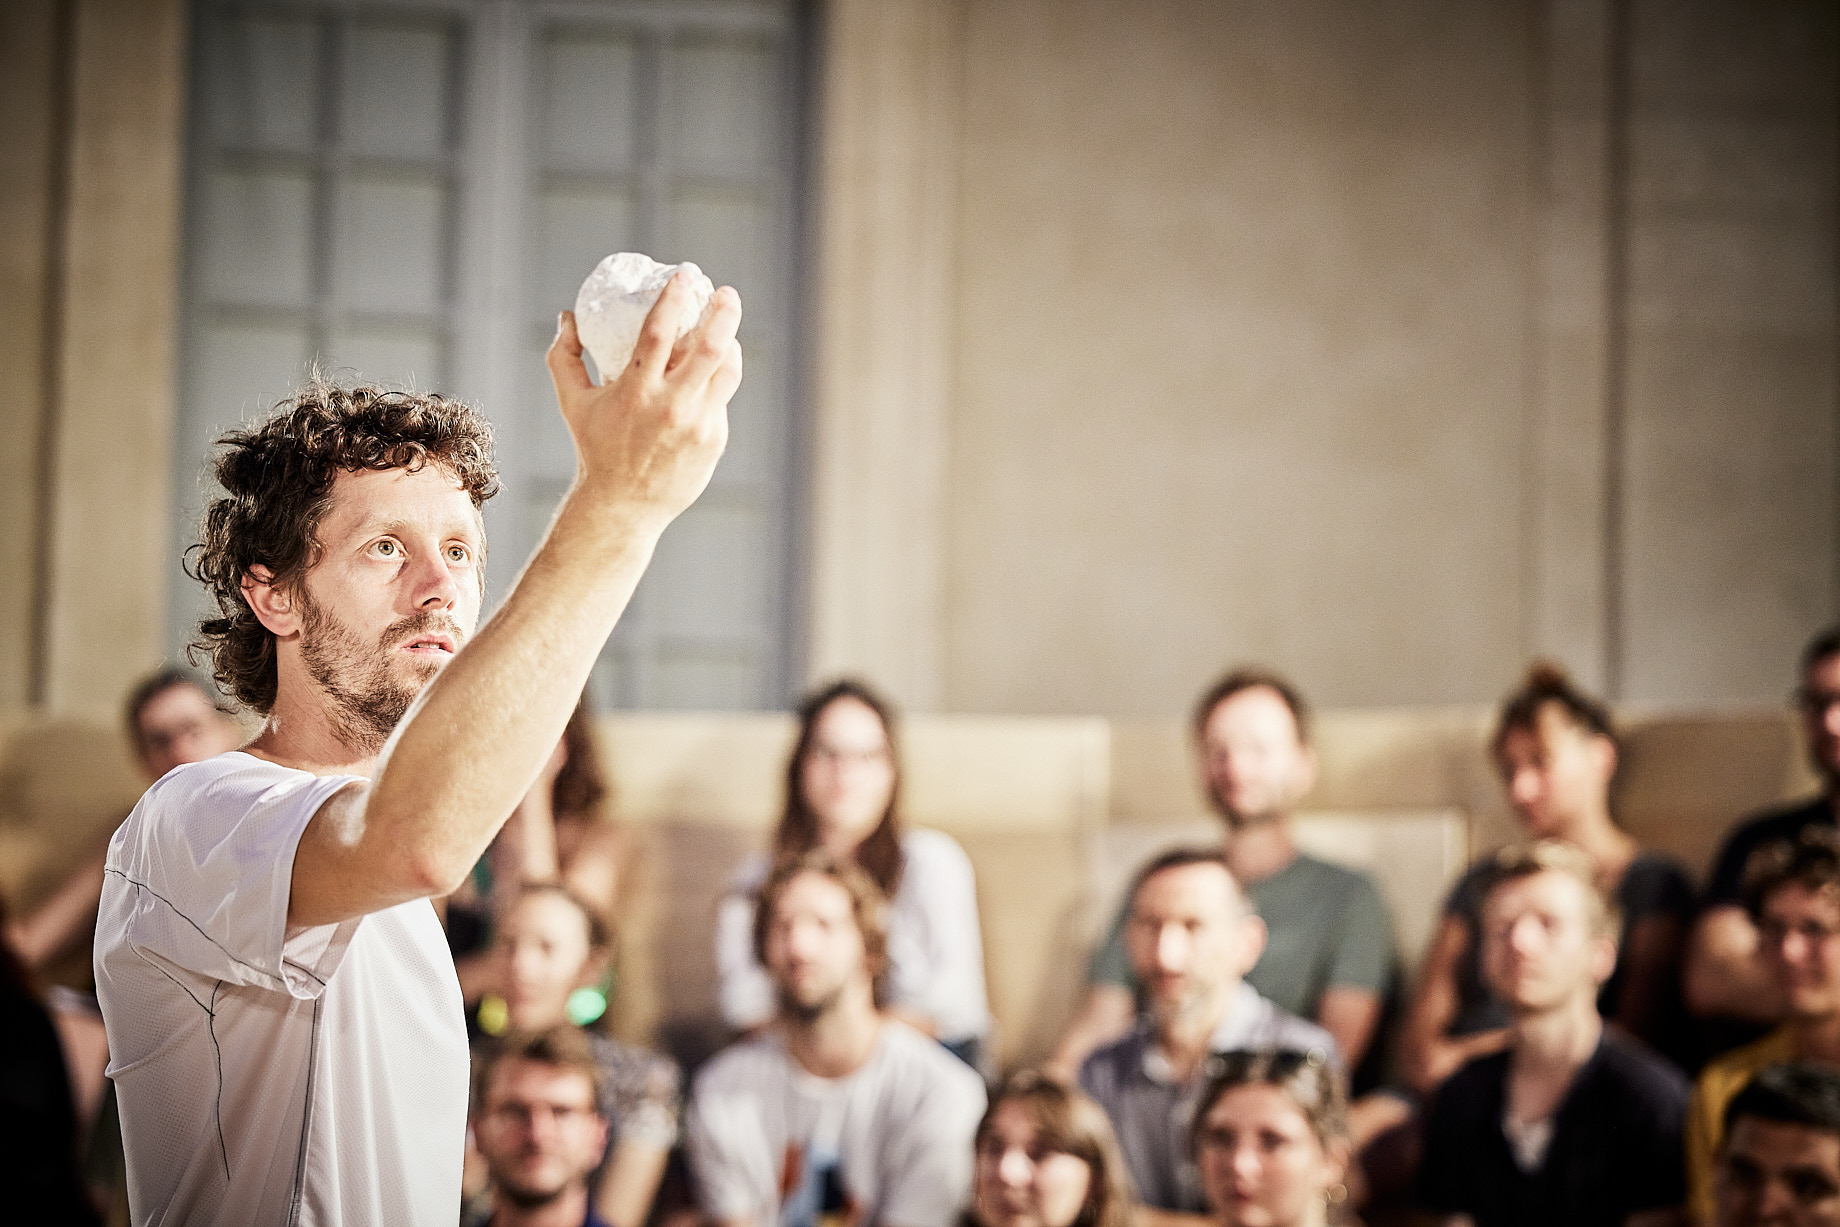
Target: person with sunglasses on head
[(1271, 1139), (1046, 1157)]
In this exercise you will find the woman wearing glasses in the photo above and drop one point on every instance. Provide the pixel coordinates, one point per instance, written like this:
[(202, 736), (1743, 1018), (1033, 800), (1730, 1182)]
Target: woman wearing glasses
[(1046, 1157), (1271, 1140)]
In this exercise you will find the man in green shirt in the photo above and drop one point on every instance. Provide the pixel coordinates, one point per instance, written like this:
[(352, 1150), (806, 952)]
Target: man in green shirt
[(1330, 954)]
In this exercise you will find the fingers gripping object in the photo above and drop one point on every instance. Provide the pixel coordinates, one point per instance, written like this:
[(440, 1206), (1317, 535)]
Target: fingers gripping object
[(615, 299)]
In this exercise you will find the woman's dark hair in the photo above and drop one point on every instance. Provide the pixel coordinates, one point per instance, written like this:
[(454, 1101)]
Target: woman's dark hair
[(797, 833), (1810, 860), (1548, 684), (277, 480), (581, 787), (1067, 1122)]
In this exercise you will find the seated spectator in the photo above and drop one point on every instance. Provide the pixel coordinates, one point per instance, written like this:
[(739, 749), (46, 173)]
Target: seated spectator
[(538, 1124), (1726, 974), (1329, 953), (842, 796), (550, 949), (1192, 936), (1271, 1139), (837, 1107), (1792, 892), (1779, 1165), (1570, 1123), (1557, 752), (1046, 1157)]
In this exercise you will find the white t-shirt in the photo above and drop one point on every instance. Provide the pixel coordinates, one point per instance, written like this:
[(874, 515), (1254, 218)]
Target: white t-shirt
[(770, 1143), (935, 948), (268, 1075)]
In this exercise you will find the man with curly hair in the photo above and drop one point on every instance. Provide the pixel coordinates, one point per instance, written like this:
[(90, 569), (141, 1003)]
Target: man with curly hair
[(285, 1025)]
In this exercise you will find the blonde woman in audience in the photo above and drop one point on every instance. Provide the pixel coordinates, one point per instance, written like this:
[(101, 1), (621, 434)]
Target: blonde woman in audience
[(551, 952), (1556, 749), (1271, 1140), (1046, 1157), (842, 796)]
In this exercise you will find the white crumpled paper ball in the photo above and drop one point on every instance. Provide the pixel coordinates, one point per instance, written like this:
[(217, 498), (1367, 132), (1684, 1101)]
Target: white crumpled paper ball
[(616, 298)]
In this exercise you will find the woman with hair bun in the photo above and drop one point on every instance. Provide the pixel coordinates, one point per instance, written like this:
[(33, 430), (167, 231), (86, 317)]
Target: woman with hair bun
[(1046, 1157), (1556, 749), (1271, 1139)]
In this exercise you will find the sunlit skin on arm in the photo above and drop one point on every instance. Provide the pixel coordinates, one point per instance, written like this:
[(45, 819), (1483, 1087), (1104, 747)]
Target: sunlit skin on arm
[(1725, 974), (476, 738)]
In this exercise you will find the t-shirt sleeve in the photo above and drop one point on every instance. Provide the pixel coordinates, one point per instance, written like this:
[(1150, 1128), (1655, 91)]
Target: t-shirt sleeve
[(1111, 962), (210, 857), (935, 944), (1656, 886), (929, 1174), (731, 1169), (1363, 956)]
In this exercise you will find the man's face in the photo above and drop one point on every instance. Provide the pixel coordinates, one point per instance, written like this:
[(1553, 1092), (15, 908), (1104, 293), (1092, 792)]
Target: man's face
[(1538, 948), (1820, 703), (1776, 1174), (180, 725), (538, 1131), (1798, 930), (1256, 764), (1555, 773), (1191, 938), (814, 946), (394, 594)]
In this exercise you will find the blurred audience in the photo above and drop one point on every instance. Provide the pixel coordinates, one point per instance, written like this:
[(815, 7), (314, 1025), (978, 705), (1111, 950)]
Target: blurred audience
[(1192, 936), (842, 796), (551, 951), (1271, 1139), (1329, 951), (1046, 1157), (838, 1108), (1569, 1123), (1779, 1165), (1791, 892), (1727, 974), (1556, 749), (538, 1124)]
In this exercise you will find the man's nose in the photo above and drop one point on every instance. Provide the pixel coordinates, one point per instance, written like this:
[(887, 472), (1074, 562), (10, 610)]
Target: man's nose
[(1172, 948), (1014, 1168), (1524, 786), (435, 586)]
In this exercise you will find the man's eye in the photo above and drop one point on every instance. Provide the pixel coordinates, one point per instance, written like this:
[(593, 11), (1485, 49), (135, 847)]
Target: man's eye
[(459, 553), (387, 548)]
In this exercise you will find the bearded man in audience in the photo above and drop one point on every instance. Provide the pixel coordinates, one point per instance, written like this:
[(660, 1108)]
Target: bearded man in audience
[(1571, 1124), (1192, 936), (837, 1113), (538, 1128), (1779, 1165), (1727, 974), (1329, 953)]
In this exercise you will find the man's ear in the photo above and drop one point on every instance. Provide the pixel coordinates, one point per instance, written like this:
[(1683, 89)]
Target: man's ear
[(272, 604), (1252, 936)]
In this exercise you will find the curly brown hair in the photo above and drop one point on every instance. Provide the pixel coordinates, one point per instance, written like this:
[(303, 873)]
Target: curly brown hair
[(277, 478)]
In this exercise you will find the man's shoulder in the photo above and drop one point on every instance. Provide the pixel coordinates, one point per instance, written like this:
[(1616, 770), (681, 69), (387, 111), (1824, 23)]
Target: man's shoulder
[(1477, 1084), (1723, 1075), (1110, 1066), (745, 1065), (1781, 821), (191, 795), (1635, 1074), (908, 1056), (932, 851)]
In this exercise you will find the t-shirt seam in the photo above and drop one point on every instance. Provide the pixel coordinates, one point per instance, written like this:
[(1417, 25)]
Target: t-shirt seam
[(139, 885), (210, 1013)]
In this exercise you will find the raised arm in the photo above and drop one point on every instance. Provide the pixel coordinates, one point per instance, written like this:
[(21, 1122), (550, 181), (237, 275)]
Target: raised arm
[(476, 738)]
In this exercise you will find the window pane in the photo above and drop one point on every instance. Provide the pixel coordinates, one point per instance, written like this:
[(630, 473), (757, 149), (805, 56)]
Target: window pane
[(405, 359), (590, 102), (260, 90), (242, 371), (706, 679), (578, 229), (708, 579), (391, 239), (394, 91), (259, 228), (729, 234), (722, 103)]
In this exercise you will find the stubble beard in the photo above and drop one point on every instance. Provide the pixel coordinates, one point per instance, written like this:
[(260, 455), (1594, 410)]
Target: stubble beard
[(801, 1012), (366, 699)]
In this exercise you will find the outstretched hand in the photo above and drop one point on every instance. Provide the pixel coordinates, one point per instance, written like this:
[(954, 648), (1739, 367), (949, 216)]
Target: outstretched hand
[(647, 439)]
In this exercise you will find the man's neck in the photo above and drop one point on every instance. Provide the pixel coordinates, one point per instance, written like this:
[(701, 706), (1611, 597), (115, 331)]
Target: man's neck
[(1550, 1047), (568, 1208), (298, 734), (837, 1042), (1185, 1039), (1257, 851), (1816, 1037)]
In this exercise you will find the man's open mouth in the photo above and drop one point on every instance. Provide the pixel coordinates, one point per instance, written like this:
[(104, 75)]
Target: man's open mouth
[(429, 645)]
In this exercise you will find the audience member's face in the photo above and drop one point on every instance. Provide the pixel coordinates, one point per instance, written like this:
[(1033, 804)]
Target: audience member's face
[(1257, 765), (814, 947), (1538, 948), (538, 1131), (848, 774), (543, 944), (1261, 1163), (394, 594), (1775, 1174), (1799, 932), (1020, 1182), (1191, 937), (180, 725), (1820, 699), (1555, 773)]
